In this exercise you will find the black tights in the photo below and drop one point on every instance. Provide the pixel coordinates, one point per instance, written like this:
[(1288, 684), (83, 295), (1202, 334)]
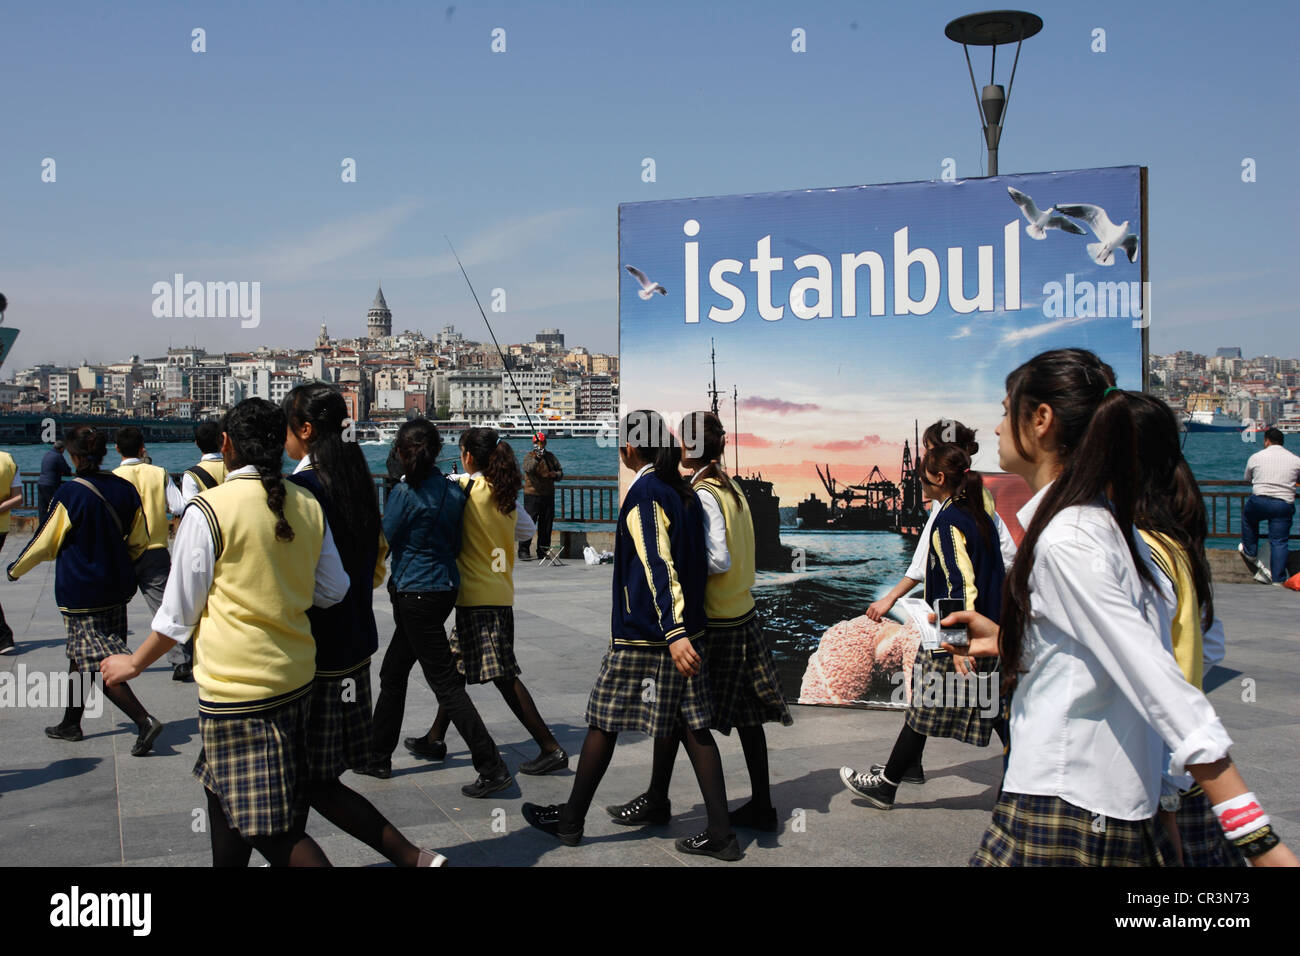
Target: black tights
[(752, 741), (120, 694), (354, 814), (598, 748), (521, 704), (294, 848), (909, 747)]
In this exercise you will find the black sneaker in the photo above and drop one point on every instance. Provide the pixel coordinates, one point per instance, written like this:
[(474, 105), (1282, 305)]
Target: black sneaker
[(59, 732), (525, 555), (752, 818), (547, 819), (383, 769), (557, 759), (486, 785), (144, 742), (872, 787), (423, 747), (183, 673), (913, 774), (701, 845), (641, 810), (7, 642)]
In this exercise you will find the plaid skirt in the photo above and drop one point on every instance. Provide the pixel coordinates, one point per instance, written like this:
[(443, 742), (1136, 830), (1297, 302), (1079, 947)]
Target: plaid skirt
[(746, 690), (256, 765), (1203, 841), (483, 641), (934, 712), (1034, 830), (92, 637), (339, 724), (639, 688)]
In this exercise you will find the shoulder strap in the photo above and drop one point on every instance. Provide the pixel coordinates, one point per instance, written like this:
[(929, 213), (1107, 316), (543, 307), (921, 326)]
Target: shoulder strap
[(112, 512), (202, 476)]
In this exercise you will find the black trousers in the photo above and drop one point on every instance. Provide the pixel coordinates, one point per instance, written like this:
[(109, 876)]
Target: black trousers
[(45, 498), (421, 636), (541, 508)]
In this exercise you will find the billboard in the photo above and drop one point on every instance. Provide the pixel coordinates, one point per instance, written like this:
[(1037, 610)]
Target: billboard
[(837, 324)]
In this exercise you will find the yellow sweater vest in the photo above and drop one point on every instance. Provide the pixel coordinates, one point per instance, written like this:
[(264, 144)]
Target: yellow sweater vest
[(487, 550), (151, 482), (217, 469), (727, 599), (8, 477), (1188, 638), (254, 648)]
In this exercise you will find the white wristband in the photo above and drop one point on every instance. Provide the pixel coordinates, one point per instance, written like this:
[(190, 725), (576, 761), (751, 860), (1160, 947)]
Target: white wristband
[(1240, 815)]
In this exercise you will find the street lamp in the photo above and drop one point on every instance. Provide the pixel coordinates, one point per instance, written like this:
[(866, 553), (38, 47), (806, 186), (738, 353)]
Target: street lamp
[(993, 28)]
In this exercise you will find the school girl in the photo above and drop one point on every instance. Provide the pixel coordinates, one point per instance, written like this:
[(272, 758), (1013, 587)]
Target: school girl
[(653, 679), (250, 557), (484, 637), (94, 531), (1170, 516), (742, 676), (339, 726), (1095, 689), (423, 523), (158, 495), (965, 563)]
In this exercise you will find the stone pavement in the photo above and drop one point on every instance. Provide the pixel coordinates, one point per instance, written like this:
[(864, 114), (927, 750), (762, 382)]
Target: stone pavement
[(91, 803)]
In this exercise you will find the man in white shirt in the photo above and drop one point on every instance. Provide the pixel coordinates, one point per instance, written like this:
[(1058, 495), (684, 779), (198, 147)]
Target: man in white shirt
[(1273, 474)]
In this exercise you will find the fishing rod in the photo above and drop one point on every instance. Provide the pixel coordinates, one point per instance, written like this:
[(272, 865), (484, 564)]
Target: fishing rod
[(504, 364)]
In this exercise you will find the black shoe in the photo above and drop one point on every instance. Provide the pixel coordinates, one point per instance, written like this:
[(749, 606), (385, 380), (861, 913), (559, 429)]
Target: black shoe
[(7, 642), (423, 747), (701, 845), (557, 759), (486, 785), (871, 786), (184, 673), (913, 774), (59, 732), (547, 819), (383, 769), (641, 810), (144, 742), (754, 819), (525, 556)]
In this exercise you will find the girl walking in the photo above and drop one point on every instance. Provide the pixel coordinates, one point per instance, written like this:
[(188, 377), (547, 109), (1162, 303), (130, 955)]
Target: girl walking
[(94, 531), (485, 623), (653, 678), (965, 563), (339, 726), (251, 557), (422, 522), (742, 675)]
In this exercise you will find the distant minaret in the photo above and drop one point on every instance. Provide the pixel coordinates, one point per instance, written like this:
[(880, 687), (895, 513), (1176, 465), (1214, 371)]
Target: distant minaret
[(379, 320)]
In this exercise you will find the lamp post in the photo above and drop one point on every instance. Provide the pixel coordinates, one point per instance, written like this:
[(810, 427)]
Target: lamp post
[(993, 28)]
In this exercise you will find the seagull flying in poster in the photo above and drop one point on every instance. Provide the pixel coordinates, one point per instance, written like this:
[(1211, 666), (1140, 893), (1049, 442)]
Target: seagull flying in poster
[(1112, 236), (648, 288), (1040, 221)]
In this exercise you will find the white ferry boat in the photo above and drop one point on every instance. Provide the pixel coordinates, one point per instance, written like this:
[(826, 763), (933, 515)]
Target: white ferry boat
[(1215, 421)]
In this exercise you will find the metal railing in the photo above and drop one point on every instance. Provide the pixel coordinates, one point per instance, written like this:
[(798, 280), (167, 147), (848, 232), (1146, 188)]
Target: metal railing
[(1223, 508)]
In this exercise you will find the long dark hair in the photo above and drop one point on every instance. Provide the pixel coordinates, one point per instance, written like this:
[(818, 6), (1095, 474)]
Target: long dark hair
[(341, 465), (417, 446), (256, 429), (89, 445), (703, 432), (967, 487), (1169, 500), (496, 460), (1096, 437), (655, 444), (948, 431)]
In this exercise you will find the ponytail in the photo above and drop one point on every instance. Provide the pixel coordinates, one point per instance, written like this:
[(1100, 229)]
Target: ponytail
[(89, 446), (702, 432), (496, 459), (655, 444), (256, 429), (967, 486)]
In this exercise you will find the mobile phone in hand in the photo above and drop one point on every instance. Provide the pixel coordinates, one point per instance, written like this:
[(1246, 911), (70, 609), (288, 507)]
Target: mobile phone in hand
[(955, 634)]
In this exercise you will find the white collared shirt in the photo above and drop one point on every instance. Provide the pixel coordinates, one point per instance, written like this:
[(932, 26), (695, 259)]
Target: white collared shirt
[(525, 527), (175, 500), (1273, 473), (1102, 694), (715, 529), (190, 580), (190, 487), (304, 464)]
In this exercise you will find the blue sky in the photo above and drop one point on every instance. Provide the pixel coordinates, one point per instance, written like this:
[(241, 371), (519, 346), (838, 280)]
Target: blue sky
[(225, 165)]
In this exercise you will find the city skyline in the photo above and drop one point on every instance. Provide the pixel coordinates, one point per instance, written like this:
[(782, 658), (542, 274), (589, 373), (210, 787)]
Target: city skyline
[(232, 170)]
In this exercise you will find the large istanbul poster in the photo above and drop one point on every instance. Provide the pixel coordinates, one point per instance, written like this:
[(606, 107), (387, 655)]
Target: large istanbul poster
[(844, 321)]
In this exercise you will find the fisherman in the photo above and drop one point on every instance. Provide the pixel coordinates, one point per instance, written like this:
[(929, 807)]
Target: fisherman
[(541, 471)]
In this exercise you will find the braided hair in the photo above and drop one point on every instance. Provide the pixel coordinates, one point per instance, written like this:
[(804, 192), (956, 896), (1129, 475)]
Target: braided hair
[(256, 428)]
